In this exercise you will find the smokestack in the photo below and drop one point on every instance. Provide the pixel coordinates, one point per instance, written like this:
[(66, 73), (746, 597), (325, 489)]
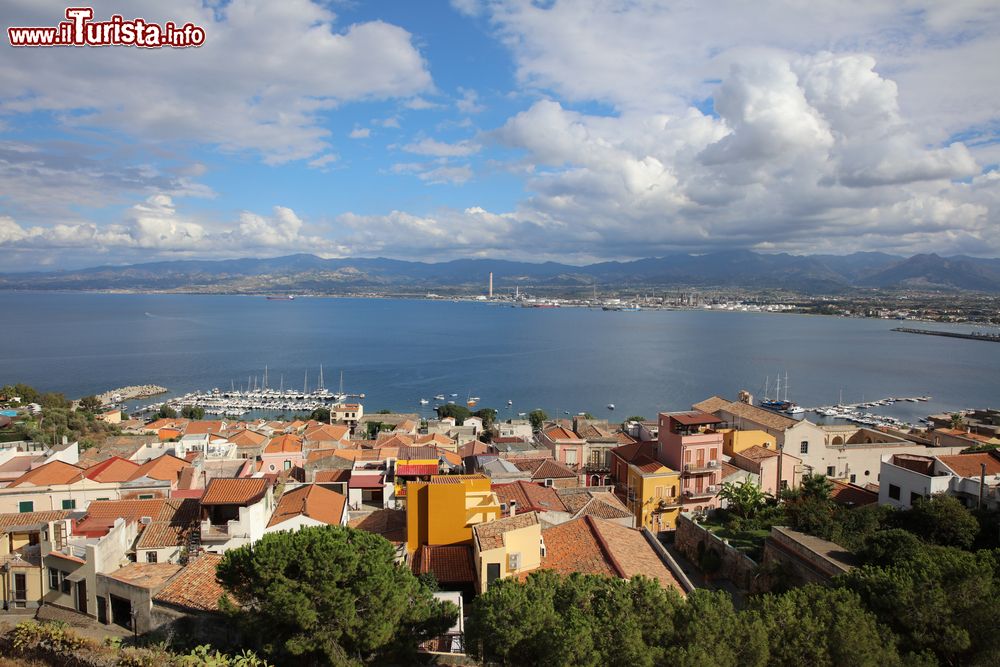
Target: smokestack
[(513, 507), (491, 284)]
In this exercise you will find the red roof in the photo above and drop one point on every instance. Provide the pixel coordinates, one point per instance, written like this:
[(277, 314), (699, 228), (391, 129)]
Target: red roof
[(114, 469), (968, 465), (450, 564), (241, 491), (529, 496), (366, 481), (694, 418), (414, 469)]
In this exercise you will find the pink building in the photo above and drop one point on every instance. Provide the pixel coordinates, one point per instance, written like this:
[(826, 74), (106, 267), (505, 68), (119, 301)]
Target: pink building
[(284, 452), (689, 443), (566, 447), (764, 462)]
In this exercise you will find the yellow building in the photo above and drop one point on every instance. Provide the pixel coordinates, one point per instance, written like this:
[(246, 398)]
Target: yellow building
[(735, 441), (445, 509), (21, 574), (653, 494), (507, 547)]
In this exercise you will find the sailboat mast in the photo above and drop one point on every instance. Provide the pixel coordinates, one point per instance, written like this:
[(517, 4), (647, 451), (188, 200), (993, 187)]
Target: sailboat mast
[(265, 377), (305, 383), (786, 386), (321, 386)]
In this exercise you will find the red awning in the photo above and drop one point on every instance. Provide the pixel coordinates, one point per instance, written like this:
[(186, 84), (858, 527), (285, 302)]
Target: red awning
[(413, 470)]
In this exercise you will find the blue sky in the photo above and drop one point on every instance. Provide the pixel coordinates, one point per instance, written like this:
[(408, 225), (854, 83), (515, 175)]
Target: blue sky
[(597, 129)]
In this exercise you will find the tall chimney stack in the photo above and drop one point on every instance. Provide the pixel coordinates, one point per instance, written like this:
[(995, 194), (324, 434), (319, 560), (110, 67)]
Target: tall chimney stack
[(491, 284)]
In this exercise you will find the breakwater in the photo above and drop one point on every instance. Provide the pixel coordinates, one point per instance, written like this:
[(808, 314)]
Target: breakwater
[(130, 393), (975, 335)]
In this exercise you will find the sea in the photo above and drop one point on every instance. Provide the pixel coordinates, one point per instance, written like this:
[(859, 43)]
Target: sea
[(561, 360)]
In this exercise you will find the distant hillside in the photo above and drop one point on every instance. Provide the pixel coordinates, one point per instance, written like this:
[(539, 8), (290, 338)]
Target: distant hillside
[(735, 268)]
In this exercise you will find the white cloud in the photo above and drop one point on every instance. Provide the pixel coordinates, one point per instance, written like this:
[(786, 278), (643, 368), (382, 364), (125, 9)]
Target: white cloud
[(323, 160), (469, 102), (420, 104), (360, 133), (441, 148), (262, 80)]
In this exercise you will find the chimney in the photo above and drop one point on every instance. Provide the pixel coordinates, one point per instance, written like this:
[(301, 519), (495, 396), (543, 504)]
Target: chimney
[(513, 507), (491, 284)]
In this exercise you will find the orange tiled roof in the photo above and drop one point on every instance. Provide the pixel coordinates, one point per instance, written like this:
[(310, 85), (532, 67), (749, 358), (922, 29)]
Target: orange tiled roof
[(450, 564), (489, 535), (146, 575), (757, 453), (529, 496), (647, 464), (241, 491), (852, 494), (165, 468), (968, 465), (247, 438), (560, 433), (390, 524), (596, 546), (285, 444), (114, 469), (195, 586), (601, 504), (203, 426), (543, 468), (327, 432), (18, 519), (53, 472), (312, 501)]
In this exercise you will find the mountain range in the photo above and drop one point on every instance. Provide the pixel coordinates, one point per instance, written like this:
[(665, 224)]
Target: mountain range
[(736, 268)]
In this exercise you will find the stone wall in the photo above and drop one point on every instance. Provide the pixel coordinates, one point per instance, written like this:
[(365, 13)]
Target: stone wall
[(695, 542)]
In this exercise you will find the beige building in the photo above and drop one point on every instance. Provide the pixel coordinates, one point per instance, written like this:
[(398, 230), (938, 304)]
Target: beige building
[(507, 547)]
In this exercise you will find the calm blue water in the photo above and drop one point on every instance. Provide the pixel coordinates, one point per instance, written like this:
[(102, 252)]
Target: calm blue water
[(559, 360)]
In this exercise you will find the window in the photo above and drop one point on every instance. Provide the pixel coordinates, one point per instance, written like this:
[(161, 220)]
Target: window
[(26, 506), (831, 471), (66, 584), (288, 465), (548, 482), (146, 496), (894, 492), (867, 473), (150, 556), (571, 456), (804, 447), (53, 579), (69, 504), (914, 497), (853, 478)]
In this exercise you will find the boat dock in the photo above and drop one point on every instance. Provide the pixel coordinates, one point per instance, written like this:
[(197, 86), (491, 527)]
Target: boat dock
[(130, 393), (238, 403), (975, 335)]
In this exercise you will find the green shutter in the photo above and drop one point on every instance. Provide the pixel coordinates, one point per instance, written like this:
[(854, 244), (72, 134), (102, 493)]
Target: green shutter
[(69, 504), (26, 506)]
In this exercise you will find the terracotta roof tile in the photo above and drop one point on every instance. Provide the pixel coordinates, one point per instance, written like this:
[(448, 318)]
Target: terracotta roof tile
[(146, 575), (164, 468), (634, 554), (490, 535), (312, 501), (203, 426), (560, 433), (758, 453), (851, 494), (390, 524), (195, 586), (15, 520), (242, 491), (54, 472), (968, 465), (329, 476), (450, 564), (529, 496), (415, 469), (629, 452), (284, 444), (114, 469)]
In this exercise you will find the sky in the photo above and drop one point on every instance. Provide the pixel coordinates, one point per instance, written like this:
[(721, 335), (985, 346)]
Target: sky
[(568, 131)]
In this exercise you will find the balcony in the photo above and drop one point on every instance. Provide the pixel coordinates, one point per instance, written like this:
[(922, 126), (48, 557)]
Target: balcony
[(666, 504), (221, 532), (699, 468), (708, 492)]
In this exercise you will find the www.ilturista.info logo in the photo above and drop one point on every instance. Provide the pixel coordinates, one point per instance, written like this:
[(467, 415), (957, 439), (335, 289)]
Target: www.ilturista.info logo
[(80, 30)]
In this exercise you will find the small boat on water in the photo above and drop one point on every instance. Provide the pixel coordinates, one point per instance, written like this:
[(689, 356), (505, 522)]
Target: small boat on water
[(510, 403), (424, 401), (287, 297), (611, 406), (439, 397)]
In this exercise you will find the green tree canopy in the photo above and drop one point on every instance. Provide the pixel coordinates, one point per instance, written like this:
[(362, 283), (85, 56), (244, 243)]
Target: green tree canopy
[(744, 498), (320, 415), (941, 519), (331, 595), (193, 412), (816, 625), (635, 418), (459, 412), (165, 412), (90, 403), (537, 418)]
